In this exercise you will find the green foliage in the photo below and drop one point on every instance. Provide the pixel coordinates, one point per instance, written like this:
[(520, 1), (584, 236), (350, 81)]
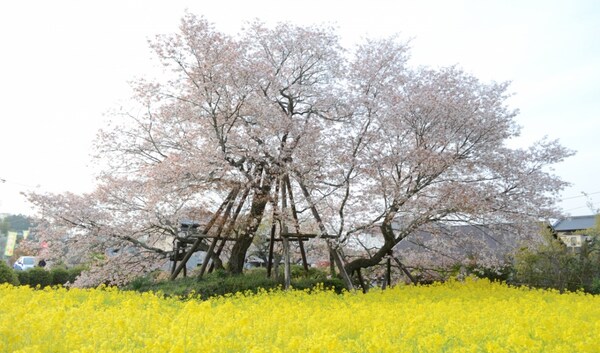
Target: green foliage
[(4, 226), (221, 283), (297, 271), (23, 277), (335, 283), (43, 277), (59, 276), (595, 286), (141, 284), (501, 274), (7, 275), (554, 265), (74, 272), (17, 223), (39, 276)]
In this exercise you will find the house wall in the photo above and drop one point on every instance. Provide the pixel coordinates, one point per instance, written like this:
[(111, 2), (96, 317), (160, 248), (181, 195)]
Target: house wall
[(572, 240)]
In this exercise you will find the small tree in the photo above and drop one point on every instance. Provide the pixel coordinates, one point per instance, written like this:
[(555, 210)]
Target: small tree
[(546, 265), (553, 265), (7, 275)]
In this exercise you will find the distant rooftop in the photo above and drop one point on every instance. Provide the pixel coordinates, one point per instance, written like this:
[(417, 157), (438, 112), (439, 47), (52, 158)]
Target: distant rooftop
[(575, 223)]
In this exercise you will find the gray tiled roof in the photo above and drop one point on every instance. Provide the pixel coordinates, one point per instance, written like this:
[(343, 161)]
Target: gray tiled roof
[(574, 223)]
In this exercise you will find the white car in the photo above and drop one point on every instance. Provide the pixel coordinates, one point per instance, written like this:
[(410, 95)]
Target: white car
[(24, 263)]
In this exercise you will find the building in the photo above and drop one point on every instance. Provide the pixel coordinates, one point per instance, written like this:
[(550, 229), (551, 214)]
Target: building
[(571, 230)]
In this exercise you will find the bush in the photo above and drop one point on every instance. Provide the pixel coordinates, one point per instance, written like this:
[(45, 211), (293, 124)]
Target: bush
[(23, 277), (141, 283), (39, 276), (7, 275), (297, 272), (221, 283), (337, 284), (59, 275), (501, 274), (595, 286), (75, 272)]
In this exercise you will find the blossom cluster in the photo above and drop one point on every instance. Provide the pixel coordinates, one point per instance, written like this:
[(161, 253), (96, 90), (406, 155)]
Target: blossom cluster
[(470, 316)]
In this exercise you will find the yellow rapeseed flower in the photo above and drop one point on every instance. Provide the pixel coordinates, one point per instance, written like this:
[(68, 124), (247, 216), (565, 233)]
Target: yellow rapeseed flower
[(471, 316)]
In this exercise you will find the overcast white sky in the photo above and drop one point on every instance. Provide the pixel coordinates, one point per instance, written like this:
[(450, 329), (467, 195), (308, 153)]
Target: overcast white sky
[(64, 64)]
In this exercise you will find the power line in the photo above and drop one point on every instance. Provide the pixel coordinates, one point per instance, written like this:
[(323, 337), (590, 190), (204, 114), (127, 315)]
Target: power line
[(586, 206), (583, 194), (4, 181)]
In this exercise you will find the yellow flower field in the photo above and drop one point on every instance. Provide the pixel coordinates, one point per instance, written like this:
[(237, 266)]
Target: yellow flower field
[(474, 316)]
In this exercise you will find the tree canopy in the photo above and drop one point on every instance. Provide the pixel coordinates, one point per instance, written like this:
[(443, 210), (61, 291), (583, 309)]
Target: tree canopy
[(16, 223), (361, 138)]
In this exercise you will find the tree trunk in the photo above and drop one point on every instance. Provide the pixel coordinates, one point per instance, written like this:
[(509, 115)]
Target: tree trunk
[(210, 253), (257, 209), (357, 264), (238, 254), (389, 242)]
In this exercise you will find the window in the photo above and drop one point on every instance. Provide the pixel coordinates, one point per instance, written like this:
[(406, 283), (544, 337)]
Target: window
[(573, 241)]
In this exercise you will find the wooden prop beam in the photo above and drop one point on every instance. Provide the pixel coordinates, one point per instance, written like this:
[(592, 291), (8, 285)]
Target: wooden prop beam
[(197, 242), (213, 244), (336, 256)]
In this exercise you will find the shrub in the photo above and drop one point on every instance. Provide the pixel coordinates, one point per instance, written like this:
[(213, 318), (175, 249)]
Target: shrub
[(39, 276), (595, 286), (23, 277), (220, 283), (335, 283), (7, 275), (75, 272), (141, 284), (502, 274), (60, 276), (298, 271)]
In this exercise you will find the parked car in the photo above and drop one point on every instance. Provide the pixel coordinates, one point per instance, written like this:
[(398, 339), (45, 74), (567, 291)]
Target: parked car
[(24, 262)]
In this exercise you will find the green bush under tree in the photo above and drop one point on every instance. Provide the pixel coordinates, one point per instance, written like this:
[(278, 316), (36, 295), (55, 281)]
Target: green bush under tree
[(23, 277), (59, 275), (221, 283), (38, 276)]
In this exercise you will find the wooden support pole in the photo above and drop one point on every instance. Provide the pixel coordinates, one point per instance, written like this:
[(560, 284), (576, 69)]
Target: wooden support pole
[(388, 271), (176, 253), (287, 273), (405, 270), (230, 226), (211, 248), (217, 254), (336, 257), (303, 255), (274, 203), (288, 185), (196, 244)]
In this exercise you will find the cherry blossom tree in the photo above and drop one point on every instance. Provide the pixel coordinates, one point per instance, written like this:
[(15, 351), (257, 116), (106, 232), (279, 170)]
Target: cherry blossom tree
[(437, 151), (357, 137)]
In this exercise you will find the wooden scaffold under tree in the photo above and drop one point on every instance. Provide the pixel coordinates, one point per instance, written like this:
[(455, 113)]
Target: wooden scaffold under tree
[(284, 211)]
